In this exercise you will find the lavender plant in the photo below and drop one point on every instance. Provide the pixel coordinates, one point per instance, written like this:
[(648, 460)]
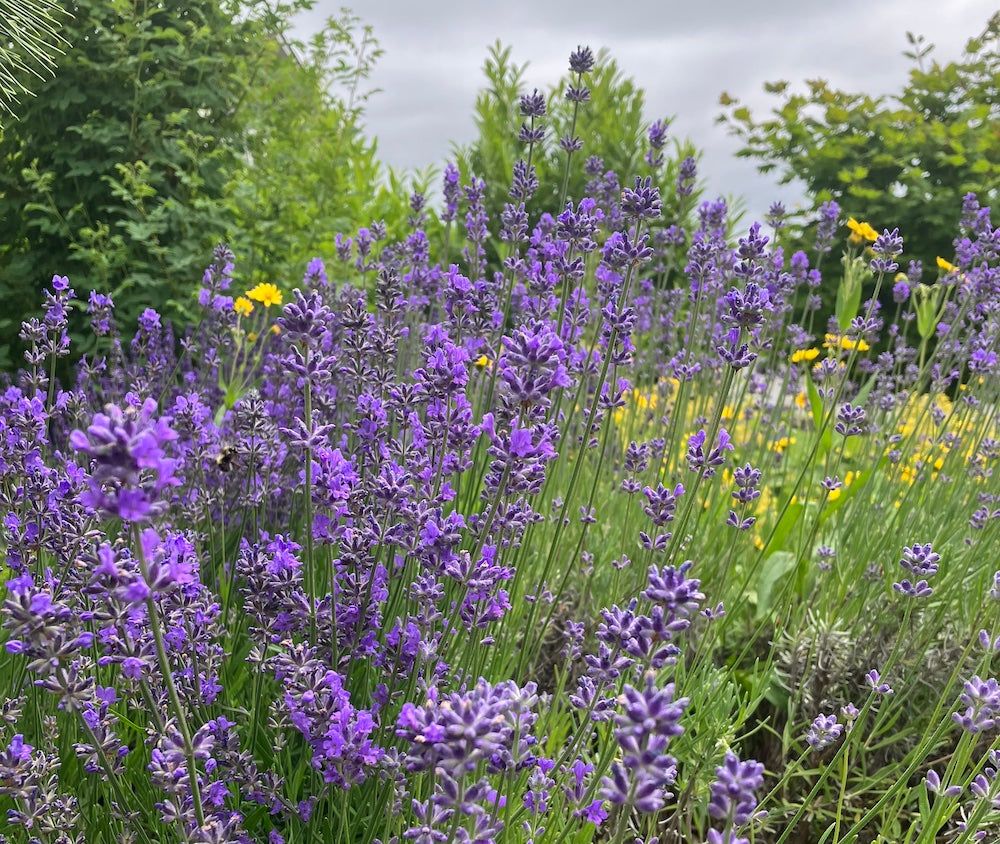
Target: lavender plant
[(527, 548)]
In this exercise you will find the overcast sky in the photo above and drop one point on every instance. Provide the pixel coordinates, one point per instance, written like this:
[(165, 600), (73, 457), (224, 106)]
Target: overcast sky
[(683, 54)]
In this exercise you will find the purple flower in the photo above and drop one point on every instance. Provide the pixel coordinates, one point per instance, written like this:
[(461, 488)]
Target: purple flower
[(885, 248), (698, 461), (981, 699), (641, 202), (129, 469), (451, 191), (823, 732), (686, 174), (581, 60), (732, 793), (747, 309), (850, 420), (874, 681), (533, 364), (826, 229), (920, 560), (463, 729)]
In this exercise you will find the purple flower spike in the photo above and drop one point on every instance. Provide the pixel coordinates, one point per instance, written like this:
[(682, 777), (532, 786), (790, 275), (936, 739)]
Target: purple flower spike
[(733, 797), (823, 732), (981, 699), (129, 468)]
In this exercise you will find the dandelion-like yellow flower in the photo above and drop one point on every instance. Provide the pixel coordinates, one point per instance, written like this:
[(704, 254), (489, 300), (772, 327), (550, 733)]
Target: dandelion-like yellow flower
[(831, 341), (243, 306), (945, 265), (267, 294), (862, 231), (800, 355)]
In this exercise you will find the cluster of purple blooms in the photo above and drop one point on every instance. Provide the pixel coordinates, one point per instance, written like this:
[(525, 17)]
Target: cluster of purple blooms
[(328, 548)]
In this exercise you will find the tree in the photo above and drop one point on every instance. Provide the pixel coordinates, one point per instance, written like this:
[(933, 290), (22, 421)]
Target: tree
[(309, 170), (113, 174), (171, 126), (905, 160)]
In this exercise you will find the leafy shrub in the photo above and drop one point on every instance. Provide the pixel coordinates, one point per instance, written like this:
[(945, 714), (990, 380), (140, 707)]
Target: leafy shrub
[(907, 159)]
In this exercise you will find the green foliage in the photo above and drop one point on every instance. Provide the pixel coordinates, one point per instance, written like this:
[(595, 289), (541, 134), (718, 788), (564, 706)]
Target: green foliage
[(169, 127), (309, 170), (113, 174), (905, 160)]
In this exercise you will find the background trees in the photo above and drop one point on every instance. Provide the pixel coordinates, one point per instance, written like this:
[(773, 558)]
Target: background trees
[(170, 126), (904, 160)]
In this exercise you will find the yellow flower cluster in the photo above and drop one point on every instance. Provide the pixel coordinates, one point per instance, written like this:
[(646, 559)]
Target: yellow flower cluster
[(243, 306), (800, 355), (832, 341)]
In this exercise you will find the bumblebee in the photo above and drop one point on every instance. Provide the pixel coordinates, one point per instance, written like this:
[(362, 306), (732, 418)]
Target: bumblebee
[(226, 457)]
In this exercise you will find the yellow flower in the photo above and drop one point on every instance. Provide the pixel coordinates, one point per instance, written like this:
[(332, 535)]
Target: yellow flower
[(252, 336), (944, 265), (800, 400), (265, 293), (804, 354), (780, 445), (831, 341), (482, 361), (243, 306), (862, 231)]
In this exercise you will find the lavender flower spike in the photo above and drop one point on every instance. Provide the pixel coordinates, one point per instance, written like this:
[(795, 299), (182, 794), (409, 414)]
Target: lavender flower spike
[(129, 468)]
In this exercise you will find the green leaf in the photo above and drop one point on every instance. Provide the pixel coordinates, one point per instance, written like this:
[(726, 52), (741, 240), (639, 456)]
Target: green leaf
[(774, 567)]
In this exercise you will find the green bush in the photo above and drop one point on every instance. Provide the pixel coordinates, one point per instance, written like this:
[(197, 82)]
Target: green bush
[(904, 160)]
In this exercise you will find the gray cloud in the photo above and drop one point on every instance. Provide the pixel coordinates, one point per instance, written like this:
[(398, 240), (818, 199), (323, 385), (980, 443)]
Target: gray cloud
[(683, 55)]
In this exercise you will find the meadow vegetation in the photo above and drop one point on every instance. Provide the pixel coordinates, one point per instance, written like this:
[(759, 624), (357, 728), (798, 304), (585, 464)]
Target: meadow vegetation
[(559, 507)]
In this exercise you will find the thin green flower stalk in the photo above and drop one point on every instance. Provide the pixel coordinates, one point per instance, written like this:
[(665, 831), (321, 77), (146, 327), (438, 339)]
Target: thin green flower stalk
[(168, 680)]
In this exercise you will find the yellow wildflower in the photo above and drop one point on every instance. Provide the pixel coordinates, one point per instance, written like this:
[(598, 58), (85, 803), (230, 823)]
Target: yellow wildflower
[(482, 361), (800, 400), (275, 329), (861, 231), (800, 355), (945, 265), (265, 293), (252, 336), (831, 341), (243, 306), (758, 543), (780, 445)]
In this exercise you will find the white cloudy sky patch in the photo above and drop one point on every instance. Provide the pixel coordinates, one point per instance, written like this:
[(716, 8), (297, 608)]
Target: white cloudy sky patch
[(683, 55)]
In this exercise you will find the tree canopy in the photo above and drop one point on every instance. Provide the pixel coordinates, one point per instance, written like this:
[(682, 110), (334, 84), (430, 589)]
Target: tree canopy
[(904, 160)]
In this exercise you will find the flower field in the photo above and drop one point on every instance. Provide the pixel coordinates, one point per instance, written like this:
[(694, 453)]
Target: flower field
[(592, 525)]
